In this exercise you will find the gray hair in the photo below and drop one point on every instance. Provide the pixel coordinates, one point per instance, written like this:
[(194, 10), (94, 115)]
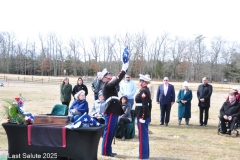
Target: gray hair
[(78, 93)]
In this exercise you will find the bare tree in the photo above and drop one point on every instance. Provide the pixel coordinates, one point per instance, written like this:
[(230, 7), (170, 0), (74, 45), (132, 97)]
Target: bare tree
[(216, 45), (198, 57), (85, 56), (177, 49), (75, 55), (159, 51)]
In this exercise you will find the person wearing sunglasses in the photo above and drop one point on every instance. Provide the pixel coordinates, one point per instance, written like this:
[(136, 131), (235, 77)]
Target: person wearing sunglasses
[(165, 97), (128, 88)]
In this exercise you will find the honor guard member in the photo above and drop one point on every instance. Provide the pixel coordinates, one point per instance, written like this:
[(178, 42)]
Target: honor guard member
[(113, 108), (142, 100)]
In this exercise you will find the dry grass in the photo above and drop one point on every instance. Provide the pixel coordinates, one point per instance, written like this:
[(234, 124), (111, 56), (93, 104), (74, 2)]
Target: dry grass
[(172, 142)]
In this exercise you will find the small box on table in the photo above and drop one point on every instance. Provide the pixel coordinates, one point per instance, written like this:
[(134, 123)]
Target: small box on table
[(49, 119)]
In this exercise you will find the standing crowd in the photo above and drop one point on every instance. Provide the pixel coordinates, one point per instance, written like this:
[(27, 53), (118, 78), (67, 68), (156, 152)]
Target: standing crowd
[(114, 112)]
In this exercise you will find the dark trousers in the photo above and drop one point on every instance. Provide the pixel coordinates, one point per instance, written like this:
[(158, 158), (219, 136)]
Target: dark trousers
[(205, 110), (165, 113), (121, 123), (66, 103), (230, 123), (150, 109)]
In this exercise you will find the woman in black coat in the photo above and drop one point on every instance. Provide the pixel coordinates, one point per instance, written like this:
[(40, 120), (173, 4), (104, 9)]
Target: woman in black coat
[(79, 86)]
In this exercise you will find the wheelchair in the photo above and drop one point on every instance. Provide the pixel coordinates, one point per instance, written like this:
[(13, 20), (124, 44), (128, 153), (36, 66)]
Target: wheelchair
[(235, 128)]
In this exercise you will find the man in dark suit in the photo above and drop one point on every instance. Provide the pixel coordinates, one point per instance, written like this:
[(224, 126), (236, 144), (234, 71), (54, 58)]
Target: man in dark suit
[(230, 113), (166, 98), (204, 93)]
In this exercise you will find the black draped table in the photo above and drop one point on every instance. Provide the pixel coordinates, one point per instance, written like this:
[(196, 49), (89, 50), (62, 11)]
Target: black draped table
[(81, 144)]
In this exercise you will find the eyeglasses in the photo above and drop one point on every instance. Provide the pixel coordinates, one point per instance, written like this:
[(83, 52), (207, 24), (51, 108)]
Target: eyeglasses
[(165, 80), (127, 77), (107, 77)]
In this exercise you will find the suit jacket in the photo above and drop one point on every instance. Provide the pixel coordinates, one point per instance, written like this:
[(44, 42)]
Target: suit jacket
[(204, 92), (230, 109), (170, 96)]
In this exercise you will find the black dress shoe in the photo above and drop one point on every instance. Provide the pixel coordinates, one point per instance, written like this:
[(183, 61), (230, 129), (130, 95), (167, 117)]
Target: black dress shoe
[(228, 132), (200, 124), (114, 154), (223, 132), (161, 124), (109, 155), (205, 125), (166, 124)]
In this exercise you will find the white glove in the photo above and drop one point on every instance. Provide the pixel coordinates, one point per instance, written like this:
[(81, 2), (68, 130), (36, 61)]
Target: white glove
[(141, 120), (125, 66)]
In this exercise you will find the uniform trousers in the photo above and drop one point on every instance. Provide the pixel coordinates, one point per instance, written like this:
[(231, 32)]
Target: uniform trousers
[(108, 134), (143, 138)]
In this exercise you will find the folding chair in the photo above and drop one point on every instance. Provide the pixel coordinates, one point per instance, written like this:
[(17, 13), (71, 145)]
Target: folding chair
[(60, 110), (129, 128)]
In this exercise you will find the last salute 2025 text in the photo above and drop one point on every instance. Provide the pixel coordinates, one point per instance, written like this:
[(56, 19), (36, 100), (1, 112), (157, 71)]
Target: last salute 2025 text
[(31, 155)]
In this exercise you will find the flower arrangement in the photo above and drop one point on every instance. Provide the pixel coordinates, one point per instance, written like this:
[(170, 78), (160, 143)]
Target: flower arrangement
[(15, 111)]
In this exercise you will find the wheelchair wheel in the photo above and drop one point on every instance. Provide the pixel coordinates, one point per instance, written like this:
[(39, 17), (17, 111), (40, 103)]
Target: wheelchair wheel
[(237, 134), (219, 128)]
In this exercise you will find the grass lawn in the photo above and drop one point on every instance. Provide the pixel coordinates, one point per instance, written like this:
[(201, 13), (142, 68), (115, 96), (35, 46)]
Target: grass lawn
[(170, 143)]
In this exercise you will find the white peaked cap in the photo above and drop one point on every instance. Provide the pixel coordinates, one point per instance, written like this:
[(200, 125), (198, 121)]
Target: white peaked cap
[(104, 72), (235, 88), (144, 78)]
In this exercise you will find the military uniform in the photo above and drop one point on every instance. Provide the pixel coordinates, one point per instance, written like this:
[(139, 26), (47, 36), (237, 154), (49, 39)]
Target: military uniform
[(142, 100), (112, 110)]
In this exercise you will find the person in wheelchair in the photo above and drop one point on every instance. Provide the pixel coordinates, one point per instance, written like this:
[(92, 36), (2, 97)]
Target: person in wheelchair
[(230, 113)]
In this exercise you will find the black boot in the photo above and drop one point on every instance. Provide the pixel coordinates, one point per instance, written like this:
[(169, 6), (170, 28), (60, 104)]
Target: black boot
[(187, 121), (179, 121)]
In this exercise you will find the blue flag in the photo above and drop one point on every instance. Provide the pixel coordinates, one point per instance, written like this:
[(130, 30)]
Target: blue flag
[(125, 55)]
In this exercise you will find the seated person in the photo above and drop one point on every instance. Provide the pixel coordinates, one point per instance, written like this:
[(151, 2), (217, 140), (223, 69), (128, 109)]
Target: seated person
[(235, 92), (230, 113), (98, 108), (79, 106), (126, 117)]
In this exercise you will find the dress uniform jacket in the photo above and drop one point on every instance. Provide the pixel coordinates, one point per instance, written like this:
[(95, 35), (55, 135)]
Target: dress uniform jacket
[(109, 90), (143, 97)]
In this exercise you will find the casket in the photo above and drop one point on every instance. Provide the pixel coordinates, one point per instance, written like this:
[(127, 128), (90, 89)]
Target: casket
[(48, 119)]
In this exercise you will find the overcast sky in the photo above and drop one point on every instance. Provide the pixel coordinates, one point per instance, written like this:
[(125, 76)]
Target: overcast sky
[(184, 18)]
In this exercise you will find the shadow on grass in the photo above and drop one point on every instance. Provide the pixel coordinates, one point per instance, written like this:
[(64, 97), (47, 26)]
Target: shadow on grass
[(133, 157)]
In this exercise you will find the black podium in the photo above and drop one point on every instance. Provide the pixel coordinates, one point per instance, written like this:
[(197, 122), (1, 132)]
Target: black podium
[(81, 144)]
